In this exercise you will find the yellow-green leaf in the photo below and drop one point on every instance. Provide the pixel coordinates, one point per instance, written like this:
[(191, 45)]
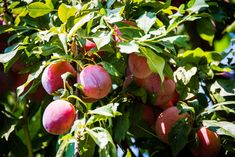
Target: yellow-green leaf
[(37, 9), (65, 12)]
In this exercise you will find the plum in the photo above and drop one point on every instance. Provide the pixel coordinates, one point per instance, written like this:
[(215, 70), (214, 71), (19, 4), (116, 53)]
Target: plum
[(58, 117), (95, 80), (209, 143), (138, 66), (51, 77), (166, 120)]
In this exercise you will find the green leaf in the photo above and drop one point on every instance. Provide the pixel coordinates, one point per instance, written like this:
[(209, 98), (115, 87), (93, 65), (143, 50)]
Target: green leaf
[(168, 71), (185, 75), (221, 127), (31, 77), (114, 15), (87, 147), (65, 12), (128, 47), (146, 21), (11, 52), (49, 3), (110, 3), (80, 23), (101, 136), (178, 136), (109, 110), (102, 39), (7, 134), (63, 40), (224, 87), (230, 28), (110, 68), (179, 40), (207, 32), (197, 5), (223, 44), (121, 127), (104, 140), (155, 62), (38, 9)]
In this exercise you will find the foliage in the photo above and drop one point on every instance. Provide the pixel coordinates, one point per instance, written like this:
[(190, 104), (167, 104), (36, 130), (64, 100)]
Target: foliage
[(192, 43)]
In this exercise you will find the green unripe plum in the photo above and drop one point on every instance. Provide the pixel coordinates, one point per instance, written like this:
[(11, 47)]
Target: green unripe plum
[(51, 77), (96, 81), (58, 117), (209, 143)]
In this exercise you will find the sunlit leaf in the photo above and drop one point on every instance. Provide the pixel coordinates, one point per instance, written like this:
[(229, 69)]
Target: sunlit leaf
[(128, 47), (207, 32), (197, 5), (155, 62), (221, 127), (65, 12), (146, 21), (80, 23), (102, 39), (37, 9)]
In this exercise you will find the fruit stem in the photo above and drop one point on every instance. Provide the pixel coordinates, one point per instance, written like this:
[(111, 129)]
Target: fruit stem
[(26, 130)]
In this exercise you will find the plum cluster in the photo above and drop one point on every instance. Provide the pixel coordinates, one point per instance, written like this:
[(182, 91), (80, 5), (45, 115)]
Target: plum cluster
[(161, 114), (95, 84)]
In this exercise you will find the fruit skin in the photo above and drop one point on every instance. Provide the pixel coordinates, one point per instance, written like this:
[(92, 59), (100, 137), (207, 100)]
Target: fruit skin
[(128, 78), (138, 66), (96, 81), (51, 77), (58, 117), (150, 114), (164, 94), (89, 45), (166, 120), (116, 35), (209, 143)]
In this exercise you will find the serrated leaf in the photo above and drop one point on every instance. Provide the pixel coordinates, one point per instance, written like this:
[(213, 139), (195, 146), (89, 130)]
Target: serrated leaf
[(155, 62), (38, 9), (65, 12), (128, 47), (80, 23), (146, 21), (197, 5), (178, 136), (221, 127)]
